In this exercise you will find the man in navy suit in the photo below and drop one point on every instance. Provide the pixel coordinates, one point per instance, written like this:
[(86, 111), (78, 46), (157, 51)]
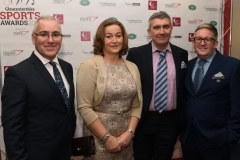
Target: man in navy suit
[(39, 123), (213, 105), (157, 131)]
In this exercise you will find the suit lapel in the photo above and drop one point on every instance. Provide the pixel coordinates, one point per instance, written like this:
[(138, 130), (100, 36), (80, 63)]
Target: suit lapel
[(177, 61), (38, 65), (149, 63), (189, 83)]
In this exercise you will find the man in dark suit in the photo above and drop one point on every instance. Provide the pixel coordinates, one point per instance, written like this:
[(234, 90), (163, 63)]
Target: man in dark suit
[(213, 108), (157, 131), (39, 118)]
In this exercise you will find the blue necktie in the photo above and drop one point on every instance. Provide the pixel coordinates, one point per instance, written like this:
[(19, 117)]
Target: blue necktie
[(199, 74), (160, 101), (59, 81)]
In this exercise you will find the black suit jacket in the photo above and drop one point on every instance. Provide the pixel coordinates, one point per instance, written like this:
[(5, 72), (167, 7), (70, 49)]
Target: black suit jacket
[(215, 108), (142, 57), (37, 124)]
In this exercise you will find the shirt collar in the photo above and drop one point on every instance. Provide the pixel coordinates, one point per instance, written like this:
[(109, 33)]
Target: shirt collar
[(44, 60), (208, 59), (154, 48)]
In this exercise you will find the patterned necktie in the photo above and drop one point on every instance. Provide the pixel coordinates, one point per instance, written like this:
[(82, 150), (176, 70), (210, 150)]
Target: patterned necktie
[(199, 74), (59, 81), (160, 101)]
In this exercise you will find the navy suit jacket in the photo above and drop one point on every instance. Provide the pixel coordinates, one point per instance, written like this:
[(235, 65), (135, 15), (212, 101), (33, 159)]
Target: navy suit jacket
[(215, 108), (142, 57), (37, 124)]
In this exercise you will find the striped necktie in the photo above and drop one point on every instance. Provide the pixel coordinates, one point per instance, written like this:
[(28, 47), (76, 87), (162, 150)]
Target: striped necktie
[(199, 74), (59, 81), (160, 101)]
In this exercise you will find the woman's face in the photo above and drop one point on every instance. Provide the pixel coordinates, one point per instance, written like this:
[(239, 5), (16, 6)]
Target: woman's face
[(113, 40)]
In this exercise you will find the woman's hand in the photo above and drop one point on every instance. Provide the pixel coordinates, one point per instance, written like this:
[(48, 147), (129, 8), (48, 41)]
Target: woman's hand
[(124, 139), (112, 145)]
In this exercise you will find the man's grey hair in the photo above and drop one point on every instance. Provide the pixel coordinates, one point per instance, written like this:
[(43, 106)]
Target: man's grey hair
[(160, 15), (209, 27), (44, 17)]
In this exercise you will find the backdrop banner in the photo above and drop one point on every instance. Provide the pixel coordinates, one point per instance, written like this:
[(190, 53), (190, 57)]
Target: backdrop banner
[(79, 20)]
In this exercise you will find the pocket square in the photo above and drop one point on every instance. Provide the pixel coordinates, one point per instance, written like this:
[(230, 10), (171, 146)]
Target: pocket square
[(183, 65), (218, 76)]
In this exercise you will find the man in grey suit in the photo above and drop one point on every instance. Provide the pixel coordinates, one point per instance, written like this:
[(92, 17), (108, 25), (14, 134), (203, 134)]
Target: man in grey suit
[(38, 113)]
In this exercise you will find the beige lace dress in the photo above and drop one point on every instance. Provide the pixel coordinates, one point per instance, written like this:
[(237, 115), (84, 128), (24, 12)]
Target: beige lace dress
[(118, 96)]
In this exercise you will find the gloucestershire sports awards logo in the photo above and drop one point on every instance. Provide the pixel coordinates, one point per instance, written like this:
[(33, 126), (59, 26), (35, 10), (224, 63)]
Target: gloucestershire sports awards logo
[(85, 2), (190, 37), (192, 7), (132, 36), (176, 21), (85, 36), (214, 23), (59, 18), (152, 5)]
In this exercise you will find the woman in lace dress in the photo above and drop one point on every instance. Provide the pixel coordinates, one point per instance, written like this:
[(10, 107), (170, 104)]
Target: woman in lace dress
[(109, 94)]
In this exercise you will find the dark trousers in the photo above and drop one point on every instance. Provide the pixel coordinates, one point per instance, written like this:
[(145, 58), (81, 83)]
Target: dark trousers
[(194, 150), (156, 138)]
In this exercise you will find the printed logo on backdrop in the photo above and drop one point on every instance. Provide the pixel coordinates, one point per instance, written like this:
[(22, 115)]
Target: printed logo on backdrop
[(190, 37), (176, 36), (18, 13), (84, 2), (152, 5), (194, 21), (172, 5), (65, 53), (132, 4), (176, 21), (12, 52), (132, 36), (134, 20), (88, 18), (20, 33), (16, 2), (214, 23), (192, 7), (5, 68), (67, 35), (107, 4), (85, 36), (61, 1), (87, 52), (208, 8), (114, 18), (59, 18), (147, 37)]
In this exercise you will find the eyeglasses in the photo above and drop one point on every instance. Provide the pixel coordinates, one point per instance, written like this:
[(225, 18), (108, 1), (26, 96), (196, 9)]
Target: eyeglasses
[(206, 40), (45, 36)]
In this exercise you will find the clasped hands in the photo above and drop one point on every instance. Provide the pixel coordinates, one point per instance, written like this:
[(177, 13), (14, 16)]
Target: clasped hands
[(116, 144)]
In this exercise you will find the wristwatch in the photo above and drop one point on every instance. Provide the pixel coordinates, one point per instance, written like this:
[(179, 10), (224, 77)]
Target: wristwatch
[(130, 130)]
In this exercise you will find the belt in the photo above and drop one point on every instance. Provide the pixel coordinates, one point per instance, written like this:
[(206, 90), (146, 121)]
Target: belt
[(163, 113), (120, 112)]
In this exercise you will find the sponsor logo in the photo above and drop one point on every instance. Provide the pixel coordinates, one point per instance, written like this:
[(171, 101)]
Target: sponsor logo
[(152, 5), (67, 35), (84, 2), (176, 21), (85, 36), (195, 21), (87, 52), (192, 7), (190, 37), (114, 18), (172, 5), (147, 37), (12, 52), (214, 23), (61, 1), (59, 18), (88, 18), (65, 53), (210, 8), (132, 36), (176, 36), (20, 33), (5, 68), (107, 4), (10, 2), (132, 4), (134, 20)]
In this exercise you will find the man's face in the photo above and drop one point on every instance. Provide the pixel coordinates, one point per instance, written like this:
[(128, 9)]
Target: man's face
[(48, 47), (160, 31), (204, 49)]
